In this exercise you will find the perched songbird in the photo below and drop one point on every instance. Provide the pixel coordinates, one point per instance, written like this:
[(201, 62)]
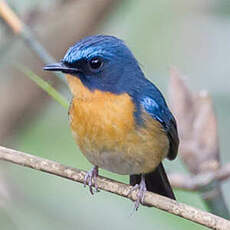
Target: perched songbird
[(118, 118)]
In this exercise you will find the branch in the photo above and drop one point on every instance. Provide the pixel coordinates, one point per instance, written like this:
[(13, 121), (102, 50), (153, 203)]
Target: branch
[(199, 144), (150, 199), (194, 183), (15, 111), (19, 28)]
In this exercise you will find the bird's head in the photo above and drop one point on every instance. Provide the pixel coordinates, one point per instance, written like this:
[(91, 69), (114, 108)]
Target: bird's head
[(101, 62)]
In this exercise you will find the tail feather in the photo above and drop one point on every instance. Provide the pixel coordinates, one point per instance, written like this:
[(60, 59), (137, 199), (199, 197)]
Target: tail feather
[(156, 181)]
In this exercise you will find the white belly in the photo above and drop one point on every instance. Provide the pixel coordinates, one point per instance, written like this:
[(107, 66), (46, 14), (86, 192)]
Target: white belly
[(121, 163)]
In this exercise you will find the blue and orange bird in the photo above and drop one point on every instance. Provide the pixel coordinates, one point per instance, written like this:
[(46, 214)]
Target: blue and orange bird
[(118, 118)]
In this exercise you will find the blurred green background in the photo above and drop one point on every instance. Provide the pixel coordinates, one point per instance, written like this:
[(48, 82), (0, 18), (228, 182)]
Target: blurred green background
[(192, 35)]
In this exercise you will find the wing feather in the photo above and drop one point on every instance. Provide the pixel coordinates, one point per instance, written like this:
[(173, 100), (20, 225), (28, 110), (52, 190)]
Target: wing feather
[(161, 113)]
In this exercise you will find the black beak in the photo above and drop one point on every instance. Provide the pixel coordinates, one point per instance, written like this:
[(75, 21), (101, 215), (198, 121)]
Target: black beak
[(60, 66)]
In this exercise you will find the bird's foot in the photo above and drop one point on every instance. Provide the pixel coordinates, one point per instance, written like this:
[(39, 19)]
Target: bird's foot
[(91, 176), (141, 193)]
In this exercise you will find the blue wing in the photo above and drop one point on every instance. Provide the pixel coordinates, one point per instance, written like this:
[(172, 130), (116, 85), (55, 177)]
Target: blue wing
[(158, 110)]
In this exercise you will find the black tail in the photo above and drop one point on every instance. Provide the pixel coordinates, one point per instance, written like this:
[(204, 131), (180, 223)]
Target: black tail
[(156, 181)]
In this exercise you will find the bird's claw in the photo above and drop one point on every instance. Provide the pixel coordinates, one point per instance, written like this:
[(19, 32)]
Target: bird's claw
[(90, 177), (141, 193)]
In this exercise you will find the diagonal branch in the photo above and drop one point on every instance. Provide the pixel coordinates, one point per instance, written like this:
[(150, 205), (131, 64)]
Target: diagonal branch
[(196, 182), (121, 189), (46, 26)]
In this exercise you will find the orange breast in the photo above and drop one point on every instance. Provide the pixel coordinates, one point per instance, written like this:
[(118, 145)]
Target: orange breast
[(104, 128)]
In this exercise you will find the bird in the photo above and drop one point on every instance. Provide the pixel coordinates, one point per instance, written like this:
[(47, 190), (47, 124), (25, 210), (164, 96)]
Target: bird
[(119, 119)]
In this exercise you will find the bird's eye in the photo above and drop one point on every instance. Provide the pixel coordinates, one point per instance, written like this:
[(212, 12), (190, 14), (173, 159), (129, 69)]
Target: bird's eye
[(95, 64)]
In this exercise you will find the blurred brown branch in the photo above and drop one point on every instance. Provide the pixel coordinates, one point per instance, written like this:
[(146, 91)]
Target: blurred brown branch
[(199, 148), (150, 199), (11, 19), (194, 183), (23, 103), (19, 28)]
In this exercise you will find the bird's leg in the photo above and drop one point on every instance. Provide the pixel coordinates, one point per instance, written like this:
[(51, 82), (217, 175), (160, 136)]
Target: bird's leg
[(141, 193), (91, 176)]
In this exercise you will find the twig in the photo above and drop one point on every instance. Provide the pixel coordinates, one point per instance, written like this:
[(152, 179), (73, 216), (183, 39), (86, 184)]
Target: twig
[(18, 27), (15, 111), (194, 183), (151, 199), (199, 143)]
